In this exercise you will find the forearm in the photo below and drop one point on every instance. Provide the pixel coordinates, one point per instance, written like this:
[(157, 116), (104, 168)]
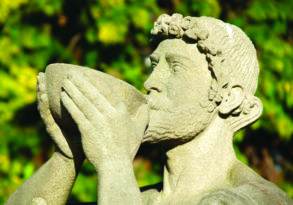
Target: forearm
[(117, 183), (52, 182)]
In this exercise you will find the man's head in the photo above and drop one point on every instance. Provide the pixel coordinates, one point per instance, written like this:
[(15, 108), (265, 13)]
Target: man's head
[(202, 68)]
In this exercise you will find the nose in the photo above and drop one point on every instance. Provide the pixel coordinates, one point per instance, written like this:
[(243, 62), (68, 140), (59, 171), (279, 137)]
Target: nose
[(158, 79), (153, 82)]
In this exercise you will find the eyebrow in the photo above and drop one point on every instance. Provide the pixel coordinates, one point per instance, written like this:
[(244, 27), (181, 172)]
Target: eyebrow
[(154, 57), (176, 55)]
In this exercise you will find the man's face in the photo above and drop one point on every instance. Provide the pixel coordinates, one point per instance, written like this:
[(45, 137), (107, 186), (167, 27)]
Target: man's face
[(177, 92)]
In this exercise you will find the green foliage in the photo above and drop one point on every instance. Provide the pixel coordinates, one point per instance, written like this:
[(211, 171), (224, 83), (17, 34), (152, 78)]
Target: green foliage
[(113, 36)]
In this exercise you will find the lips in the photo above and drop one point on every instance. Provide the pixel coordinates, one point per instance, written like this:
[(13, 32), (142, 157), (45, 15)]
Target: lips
[(153, 105), (159, 102)]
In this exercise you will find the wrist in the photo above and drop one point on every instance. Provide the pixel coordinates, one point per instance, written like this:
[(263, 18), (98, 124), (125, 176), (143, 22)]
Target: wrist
[(75, 162), (113, 163)]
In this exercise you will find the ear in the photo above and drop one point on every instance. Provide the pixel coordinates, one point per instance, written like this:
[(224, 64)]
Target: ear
[(252, 110), (232, 99)]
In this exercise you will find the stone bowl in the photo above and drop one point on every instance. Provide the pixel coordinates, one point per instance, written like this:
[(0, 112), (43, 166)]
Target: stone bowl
[(113, 89)]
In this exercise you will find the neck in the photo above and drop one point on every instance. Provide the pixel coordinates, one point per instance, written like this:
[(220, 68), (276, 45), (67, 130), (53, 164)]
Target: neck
[(202, 164)]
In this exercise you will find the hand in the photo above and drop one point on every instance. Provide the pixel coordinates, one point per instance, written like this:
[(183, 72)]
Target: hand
[(107, 132), (69, 147), (226, 197)]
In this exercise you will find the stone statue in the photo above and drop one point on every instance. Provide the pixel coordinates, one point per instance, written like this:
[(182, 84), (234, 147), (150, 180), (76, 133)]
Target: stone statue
[(200, 92)]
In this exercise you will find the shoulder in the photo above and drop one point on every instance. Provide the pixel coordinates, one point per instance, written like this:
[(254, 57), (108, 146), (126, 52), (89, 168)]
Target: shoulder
[(247, 183), (151, 193)]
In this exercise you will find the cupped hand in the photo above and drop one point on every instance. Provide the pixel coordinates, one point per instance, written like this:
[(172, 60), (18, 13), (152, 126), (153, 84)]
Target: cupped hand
[(107, 132), (69, 146)]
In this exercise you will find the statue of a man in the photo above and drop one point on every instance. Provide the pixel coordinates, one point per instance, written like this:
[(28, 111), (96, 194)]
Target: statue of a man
[(200, 92)]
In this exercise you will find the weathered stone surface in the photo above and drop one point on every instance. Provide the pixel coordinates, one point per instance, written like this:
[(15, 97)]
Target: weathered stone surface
[(201, 91), (113, 89)]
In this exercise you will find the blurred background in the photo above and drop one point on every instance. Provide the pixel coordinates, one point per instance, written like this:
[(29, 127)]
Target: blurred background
[(113, 36)]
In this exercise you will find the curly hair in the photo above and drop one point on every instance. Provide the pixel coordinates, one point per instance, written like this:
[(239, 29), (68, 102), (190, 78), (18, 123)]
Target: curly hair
[(230, 54)]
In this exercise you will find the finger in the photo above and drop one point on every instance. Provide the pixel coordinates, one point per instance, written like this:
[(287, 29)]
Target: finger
[(44, 110), (52, 128), (142, 118), (77, 115), (41, 82), (83, 104), (41, 86), (93, 94), (59, 139), (43, 102)]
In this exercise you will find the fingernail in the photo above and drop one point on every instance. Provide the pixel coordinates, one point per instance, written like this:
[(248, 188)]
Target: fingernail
[(43, 97), (40, 75), (70, 76)]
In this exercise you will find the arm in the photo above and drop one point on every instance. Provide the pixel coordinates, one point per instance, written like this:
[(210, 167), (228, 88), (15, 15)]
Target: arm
[(52, 183), (117, 183), (109, 138)]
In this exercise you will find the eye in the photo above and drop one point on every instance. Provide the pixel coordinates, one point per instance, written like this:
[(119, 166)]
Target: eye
[(154, 60), (175, 67), (154, 64)]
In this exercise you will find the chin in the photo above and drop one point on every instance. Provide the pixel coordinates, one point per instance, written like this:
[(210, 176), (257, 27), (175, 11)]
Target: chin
[(179, 126)]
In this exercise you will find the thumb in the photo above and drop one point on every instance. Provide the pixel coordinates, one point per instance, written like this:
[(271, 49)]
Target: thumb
[(141, 118)]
